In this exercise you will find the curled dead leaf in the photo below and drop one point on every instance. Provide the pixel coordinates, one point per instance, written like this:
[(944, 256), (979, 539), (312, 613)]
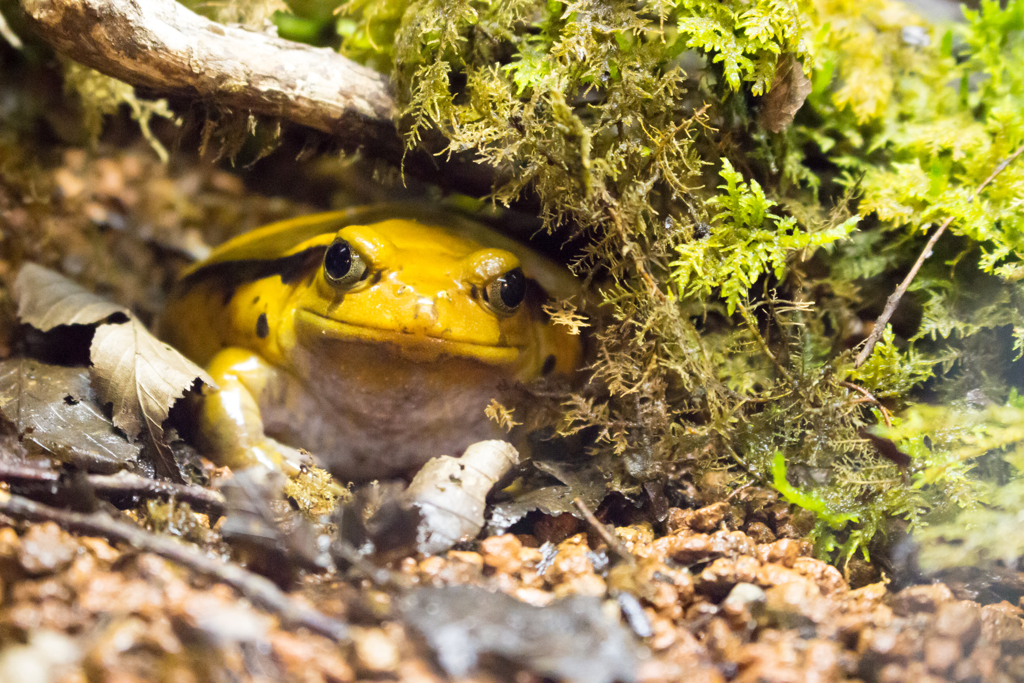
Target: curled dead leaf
[(584, 480), (790, 88), (140, 375), (451, 493), (47, 299)]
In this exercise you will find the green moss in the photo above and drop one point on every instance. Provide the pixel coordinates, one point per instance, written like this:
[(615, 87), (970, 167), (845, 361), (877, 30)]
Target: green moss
[(745, 241)]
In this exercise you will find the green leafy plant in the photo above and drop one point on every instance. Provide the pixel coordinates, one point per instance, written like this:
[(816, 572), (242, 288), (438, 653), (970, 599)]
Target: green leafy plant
[(744, 242), (807, 500)]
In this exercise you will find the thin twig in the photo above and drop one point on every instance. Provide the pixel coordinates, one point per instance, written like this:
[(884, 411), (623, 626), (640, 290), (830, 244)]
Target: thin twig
[(894, 299), (748, 319), (613, 541), (15, 472), (736, 491), (256, 589), (871, 399), (123, 484)]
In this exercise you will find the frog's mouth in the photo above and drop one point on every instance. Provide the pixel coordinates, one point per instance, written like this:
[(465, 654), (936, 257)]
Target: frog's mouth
[(312, 326)]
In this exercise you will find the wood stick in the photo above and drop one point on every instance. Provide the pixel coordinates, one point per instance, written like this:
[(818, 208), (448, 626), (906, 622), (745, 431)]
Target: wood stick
[(165, 47), (255, 588), (168, 50), (868, 396), (126, 483), (123, 484), (615, 544)]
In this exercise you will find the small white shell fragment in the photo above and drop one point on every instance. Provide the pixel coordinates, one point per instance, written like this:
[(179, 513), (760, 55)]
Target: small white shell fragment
[(451, 493)]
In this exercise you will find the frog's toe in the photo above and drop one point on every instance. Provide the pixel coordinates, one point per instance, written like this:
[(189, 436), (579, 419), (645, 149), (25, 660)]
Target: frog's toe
[(275, 455), (292, 462)]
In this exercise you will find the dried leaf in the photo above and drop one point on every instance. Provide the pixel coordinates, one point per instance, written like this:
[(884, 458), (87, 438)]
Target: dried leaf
[(443, 505), (47, 299), (277, 539), (54, 407), (377, 519), (140, 375), (584, 481), (551, 500), (789, 90)]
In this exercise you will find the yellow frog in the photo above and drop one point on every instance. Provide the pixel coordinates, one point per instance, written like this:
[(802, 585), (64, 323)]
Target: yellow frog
[(373, 337)]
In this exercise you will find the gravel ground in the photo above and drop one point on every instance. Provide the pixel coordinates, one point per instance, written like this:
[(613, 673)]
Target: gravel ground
[(714, 605)]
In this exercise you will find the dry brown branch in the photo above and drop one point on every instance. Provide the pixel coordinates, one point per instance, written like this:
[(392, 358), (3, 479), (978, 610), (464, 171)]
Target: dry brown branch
[(869, 397), (894, 298), (123, 484), (257, 589), (164, 47)]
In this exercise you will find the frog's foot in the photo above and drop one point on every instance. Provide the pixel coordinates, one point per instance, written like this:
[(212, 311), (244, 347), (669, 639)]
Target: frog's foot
[(275, 455), (290, 461)]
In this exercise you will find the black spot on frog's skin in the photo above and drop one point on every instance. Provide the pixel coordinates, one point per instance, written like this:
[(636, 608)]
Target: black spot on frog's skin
[(377, 275), (549, 365), (262, 328), (474, 292), (256, 300)]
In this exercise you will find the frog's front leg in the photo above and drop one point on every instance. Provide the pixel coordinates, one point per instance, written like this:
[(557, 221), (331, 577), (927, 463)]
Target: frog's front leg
[(230, 421)]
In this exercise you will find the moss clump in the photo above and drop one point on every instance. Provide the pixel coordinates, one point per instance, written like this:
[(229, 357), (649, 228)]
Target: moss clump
[(102, 95)]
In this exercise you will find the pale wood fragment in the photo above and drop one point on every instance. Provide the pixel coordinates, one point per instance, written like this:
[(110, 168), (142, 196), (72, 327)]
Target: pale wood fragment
[(162, 46)]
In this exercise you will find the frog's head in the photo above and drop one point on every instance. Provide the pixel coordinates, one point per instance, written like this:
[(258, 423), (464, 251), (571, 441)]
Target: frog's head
[(424, 291)]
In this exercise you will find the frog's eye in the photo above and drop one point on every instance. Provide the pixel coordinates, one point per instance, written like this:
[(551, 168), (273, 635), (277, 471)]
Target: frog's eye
[(343, 266), (505, 293)]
